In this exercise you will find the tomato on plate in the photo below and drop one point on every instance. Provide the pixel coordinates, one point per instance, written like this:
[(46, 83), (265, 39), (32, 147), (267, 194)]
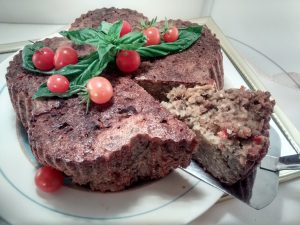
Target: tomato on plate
[(126, 28), (100, 90), (128, 61), (58, 83), (171, 35), (65, 56), (43, 59), (152, 35), (48, 179)]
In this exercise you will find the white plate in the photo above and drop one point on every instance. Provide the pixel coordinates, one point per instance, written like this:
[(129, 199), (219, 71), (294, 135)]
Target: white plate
[(177, 199)]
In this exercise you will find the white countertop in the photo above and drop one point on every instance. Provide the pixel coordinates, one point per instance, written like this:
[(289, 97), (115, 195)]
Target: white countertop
[(283, 210)]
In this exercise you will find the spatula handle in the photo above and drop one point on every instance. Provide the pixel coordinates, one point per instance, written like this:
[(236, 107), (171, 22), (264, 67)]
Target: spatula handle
[(290, 162)]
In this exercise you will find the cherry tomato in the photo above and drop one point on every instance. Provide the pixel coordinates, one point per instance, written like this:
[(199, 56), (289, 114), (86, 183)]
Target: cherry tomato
[(258, 140), (65, 56), (153, 36), (100, 90), (43, 59), (223, 134), (128, 60), (48, 179), (126, 28), (58, 83), (171, 35)]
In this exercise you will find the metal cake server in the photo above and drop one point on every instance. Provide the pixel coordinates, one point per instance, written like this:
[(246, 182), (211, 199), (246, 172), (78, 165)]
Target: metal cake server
[(260, 188), (290, 162)]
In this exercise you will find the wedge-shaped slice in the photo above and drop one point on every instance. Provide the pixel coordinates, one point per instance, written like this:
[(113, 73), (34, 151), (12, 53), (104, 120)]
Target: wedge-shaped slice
[(233, 126)]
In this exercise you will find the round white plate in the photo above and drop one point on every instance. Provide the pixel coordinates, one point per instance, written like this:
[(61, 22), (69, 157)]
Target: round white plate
[(176, 199)]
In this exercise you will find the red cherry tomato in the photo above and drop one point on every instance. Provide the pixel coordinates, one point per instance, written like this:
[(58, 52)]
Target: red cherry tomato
[(58, 83), (65, 56), (258, 140), (100, 90), (43, 59), (126, 28), (171, 35), (128, 60), (48, 179), (153, 36), (223, 134)]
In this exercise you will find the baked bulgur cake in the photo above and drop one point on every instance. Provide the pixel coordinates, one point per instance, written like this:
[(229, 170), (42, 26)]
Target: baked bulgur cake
[(112, 146), (233, 126), (132, 137), (129, 139)]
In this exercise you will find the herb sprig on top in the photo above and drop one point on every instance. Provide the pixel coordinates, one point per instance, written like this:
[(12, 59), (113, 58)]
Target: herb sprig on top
[(110, 49)]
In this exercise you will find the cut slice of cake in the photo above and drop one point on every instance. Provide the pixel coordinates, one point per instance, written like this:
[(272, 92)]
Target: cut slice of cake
[(233, 126)]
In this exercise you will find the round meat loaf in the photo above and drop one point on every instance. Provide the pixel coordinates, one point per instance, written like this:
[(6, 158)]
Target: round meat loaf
[(112, 146), (201, 64), (130, 139), (233, 126)]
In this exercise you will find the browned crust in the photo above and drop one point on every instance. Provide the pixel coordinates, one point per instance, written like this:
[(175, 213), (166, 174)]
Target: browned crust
[(93, 18)]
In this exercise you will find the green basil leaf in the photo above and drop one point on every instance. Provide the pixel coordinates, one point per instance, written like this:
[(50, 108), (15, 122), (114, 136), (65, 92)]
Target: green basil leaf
[(68, 71), (104, 27), (132, 37), (131, 41), (115, 29), (76, 69), (187, 36), (43, 91), (133, 46), (27, 54), (84, 36), (93, 69), (107, 53), (104, 56)]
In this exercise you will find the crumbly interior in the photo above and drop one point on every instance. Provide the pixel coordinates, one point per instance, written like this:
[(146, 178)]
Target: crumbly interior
[(231, 124)]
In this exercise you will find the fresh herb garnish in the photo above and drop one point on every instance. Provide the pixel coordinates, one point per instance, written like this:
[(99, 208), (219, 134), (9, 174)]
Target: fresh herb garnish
[(165, 27), (187, 36), (108, 43), (106, 39), (146, 24)]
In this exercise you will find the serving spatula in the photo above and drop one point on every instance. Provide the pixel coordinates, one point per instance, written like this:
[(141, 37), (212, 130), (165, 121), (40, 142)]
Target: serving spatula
[(289, 162), (260, 187)]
